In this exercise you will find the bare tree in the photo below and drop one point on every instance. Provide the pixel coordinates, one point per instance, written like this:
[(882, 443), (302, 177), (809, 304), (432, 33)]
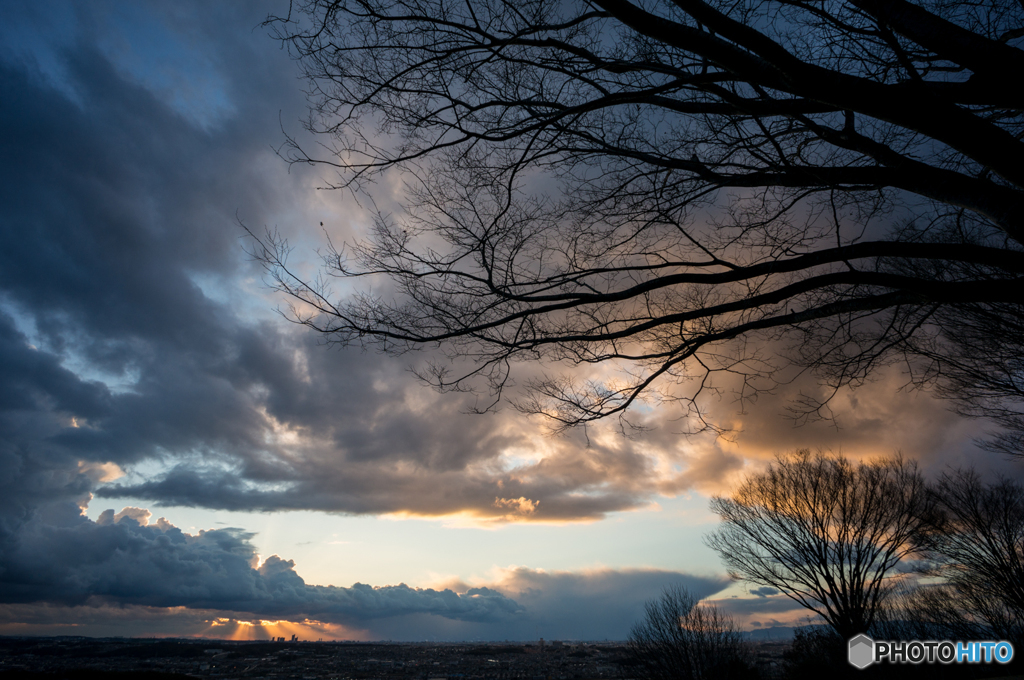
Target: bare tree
[(826, 532), (976, 542), (680, 638), (674, 185)]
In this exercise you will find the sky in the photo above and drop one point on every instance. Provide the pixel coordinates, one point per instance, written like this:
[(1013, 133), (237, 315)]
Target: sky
[(179, 459)]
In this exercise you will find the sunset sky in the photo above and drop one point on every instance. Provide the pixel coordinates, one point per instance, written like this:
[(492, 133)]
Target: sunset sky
[(178, 459)]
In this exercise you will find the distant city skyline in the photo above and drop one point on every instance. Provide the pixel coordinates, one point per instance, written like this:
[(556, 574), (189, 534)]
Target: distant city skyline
[(179, 460)]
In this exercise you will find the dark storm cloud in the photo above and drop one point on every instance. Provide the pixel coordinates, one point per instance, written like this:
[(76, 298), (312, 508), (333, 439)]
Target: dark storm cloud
[(127, 342), (121, 558), (430, 469), (118, 204), (521, 604)]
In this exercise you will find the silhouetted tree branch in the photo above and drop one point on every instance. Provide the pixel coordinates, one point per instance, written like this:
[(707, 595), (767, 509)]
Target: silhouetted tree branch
[(672, 186)]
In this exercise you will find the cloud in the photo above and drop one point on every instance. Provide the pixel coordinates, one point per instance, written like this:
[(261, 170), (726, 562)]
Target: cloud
[(517, 506), (136, 334), (122, 558), (592, 604), (129, 340), (69, 569), (595, 604), (598, 603), (770, 610), (123, 357), (877, 418)]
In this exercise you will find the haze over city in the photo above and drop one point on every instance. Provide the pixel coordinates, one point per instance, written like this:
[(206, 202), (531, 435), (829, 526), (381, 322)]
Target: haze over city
[(180, 459)]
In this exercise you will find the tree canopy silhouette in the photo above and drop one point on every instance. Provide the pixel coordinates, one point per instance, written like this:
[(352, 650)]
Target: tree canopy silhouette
[(683, 187), (825, 532)]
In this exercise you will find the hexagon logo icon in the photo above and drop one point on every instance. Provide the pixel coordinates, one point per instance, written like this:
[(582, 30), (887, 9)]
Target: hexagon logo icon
[(862, 651)]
